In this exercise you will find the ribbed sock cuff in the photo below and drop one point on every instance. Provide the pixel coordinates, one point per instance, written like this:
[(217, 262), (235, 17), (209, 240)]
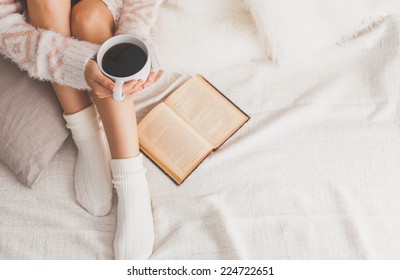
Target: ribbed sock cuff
[(83, 124), (127, 166), (128, 173)]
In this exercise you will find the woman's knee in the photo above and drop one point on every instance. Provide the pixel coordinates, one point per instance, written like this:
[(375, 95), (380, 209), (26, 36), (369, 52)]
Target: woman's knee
[(50, 14), (92, 21)]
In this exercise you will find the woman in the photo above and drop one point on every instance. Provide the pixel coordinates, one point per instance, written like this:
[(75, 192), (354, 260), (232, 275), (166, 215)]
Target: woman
[(49, 53)]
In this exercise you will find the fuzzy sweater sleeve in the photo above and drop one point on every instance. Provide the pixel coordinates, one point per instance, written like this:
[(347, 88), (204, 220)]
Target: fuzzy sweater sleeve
[(44, 54), (137, 17)]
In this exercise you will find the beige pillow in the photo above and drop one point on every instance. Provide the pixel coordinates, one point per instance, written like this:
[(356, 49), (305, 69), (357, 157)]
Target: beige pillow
[(32, 129)]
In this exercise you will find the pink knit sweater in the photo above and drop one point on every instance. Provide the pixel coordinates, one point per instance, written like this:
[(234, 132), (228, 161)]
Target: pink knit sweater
[(47, 55)]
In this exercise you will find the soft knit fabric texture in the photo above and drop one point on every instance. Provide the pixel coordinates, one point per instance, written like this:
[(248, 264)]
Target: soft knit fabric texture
[(47, 55), (44, 54), (93, 187), (134, 237), (114, 6), (136, 18)]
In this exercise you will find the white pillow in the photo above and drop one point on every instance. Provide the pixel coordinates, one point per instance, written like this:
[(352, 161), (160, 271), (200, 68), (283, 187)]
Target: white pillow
[(193, 36), (295, 29)]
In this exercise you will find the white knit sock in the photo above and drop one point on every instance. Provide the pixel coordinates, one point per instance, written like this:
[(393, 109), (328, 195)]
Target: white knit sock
[(93, 185), (134, 236)]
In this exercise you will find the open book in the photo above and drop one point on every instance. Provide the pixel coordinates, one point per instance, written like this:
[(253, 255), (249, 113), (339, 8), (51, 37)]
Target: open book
[(195, 120)]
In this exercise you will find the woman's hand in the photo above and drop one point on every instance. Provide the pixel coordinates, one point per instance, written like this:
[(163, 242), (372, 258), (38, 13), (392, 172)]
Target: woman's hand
[(139, 86), (103, 87)]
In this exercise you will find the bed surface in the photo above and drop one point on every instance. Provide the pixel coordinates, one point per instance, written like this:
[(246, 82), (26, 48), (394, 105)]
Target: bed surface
[(315, 173)]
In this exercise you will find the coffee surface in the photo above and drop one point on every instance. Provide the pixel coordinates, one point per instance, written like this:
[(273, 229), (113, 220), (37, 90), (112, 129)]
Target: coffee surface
[(124, 60)]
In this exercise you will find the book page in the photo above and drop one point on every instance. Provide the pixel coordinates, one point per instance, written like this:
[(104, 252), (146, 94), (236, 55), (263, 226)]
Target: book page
[(205, 109), (171, 142)]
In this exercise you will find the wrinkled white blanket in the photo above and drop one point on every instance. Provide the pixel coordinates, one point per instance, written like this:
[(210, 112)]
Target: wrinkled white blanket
[(314, 175)]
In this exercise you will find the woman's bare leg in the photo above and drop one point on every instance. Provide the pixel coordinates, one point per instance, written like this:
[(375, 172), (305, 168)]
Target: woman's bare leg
[(120, 126), (93, 22), (55, 15), (93, 185), (134, 236)]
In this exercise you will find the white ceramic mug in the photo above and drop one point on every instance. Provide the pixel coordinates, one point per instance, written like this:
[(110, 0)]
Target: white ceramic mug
[(119, 81)]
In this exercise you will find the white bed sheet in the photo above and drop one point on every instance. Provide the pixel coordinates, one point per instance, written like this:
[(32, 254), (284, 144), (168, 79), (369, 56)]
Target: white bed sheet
[(315, 174)]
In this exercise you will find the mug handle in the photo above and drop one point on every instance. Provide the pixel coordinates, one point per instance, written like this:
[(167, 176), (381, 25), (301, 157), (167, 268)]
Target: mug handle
[(117, 94)]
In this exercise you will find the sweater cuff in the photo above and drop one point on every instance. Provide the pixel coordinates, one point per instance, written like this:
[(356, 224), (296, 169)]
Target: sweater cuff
[(9, 8), (76, 56), (114, 7), (63, 60)]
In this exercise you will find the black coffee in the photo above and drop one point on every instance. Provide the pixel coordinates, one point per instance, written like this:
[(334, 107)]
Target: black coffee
[(124, 60)]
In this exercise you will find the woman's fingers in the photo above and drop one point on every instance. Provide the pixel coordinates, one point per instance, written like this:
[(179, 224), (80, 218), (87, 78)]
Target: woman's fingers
[(101, 92), (150, 79), (152, 76), (138, 85), (133, 87), (101, 86), (128, 85), (106, 82), (93, 72)]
